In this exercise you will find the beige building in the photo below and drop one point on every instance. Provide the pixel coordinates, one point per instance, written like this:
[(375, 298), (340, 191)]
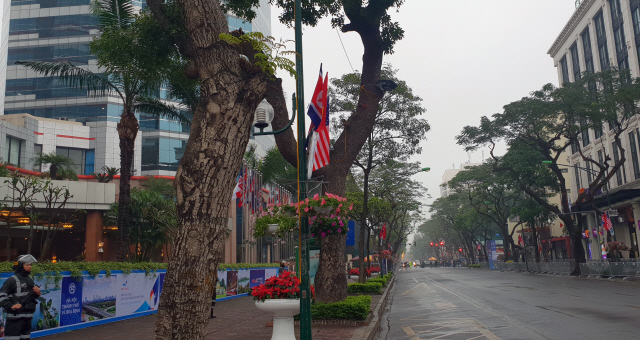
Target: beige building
[(601, 34)]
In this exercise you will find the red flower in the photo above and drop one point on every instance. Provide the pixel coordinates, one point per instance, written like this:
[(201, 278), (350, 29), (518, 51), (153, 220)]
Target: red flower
[(284, 286)]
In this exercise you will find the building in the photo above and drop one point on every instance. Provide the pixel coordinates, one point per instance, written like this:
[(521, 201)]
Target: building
[(601, 34), (449, 174), (4, 48), (61, 32)]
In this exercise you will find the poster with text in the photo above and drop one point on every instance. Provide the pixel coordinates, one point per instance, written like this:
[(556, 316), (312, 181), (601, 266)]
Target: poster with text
[(138, 292), (243, 281), (221, 286), (3, 320), (257, 277), (269, 272), (232, 283), (47, 314), (314, 262), (71, 302), (99, 296)]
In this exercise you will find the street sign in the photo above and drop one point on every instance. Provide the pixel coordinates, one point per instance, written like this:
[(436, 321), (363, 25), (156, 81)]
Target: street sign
[(612, 212)]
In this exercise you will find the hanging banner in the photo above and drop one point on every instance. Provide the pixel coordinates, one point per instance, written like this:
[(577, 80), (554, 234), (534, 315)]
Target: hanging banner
[(257, 277), (99, 297), (71, 302), (232, 282), (244, 281), (221, 285)]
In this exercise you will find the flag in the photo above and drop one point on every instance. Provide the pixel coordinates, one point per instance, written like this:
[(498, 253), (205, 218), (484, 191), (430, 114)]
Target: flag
[(606, 223), (520, 240), (561, 225), (318, 101), (383, 233), (237, 191), (319, 143)]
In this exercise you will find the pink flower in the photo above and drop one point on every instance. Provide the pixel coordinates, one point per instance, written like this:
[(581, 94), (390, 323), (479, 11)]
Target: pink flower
[(306, 209), (333, 216), (338, 210), (351, 206), (340, 206), (341, 224), (323, 234), (311, 222), (316, 197), (322, 202), (307, 200), (333, 224), (339, 230), (312, 235)]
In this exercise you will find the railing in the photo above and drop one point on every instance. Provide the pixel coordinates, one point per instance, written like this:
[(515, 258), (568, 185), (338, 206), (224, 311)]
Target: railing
[(626, 268)]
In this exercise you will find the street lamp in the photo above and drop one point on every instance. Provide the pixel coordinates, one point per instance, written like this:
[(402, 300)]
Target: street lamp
[(305, 283)]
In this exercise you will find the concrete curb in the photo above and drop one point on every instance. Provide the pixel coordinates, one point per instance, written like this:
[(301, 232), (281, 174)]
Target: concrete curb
[(369, 332)]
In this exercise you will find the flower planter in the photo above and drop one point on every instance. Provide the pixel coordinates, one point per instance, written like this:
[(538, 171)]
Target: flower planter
[(283, 311), (273, 228), (325, 209)]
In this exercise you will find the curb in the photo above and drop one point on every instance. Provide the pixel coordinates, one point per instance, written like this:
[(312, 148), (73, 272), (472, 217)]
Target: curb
[(369, 332)]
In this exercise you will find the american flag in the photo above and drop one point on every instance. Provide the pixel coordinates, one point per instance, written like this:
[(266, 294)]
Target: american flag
[(319, 143), (606, 222), (237, 192)]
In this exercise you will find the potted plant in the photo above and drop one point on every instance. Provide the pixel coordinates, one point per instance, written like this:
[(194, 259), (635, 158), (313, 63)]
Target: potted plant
[(283, 215), (328, 215), (281, 296)]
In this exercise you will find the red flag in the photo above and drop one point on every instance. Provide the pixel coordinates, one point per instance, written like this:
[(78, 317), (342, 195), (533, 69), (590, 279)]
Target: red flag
[(561, 225), (383, 233), (520, 240), (319, 144)]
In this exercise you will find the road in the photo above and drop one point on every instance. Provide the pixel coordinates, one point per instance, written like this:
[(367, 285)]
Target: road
[(466, 303)]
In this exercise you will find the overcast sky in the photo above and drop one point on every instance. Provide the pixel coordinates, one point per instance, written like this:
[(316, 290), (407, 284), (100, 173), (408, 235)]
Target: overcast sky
[(465, 58)]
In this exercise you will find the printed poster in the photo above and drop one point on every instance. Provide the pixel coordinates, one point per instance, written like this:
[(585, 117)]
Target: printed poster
[(257, 277), (244, 281), (221, 286), (314, 262), (232, 283), (99, 297), (269, 272), (47, 311), (138, 292), (71, 302)]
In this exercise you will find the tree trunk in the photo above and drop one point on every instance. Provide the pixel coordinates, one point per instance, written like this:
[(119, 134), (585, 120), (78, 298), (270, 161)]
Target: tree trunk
[(9, 244), (332, 286), (231, 90), (53, 171), (46, 247), (127, 132), (363, 223), (30, 237)]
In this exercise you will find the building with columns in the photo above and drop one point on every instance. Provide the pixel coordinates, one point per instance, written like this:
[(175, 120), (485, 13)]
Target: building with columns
[(602, 34)]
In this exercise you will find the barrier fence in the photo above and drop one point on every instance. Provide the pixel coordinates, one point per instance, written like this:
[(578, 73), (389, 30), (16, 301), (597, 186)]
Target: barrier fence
[(592, 268)]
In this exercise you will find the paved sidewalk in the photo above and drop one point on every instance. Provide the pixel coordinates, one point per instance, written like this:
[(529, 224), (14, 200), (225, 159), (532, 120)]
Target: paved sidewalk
[(235, 319)]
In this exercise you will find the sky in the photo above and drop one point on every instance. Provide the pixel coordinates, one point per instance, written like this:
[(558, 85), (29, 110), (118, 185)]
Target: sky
[(465, 59)]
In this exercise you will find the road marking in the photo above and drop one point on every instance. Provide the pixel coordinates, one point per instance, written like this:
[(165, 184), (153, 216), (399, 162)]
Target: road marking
[(445, 305), (422, 285), (414, 279), (486, 308), (444, 329)]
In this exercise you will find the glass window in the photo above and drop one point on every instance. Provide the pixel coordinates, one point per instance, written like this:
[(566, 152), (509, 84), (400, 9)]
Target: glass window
[(89, 162), (586, 46), (55, 26), (565, 69), (584, 133), (634, 155), (601, 161), (635, 16), (162, 153), (616, 158), (76, 156), (37, 151), (602, 41), (588, 173), (577, 174), (575, 61), (14, 150)]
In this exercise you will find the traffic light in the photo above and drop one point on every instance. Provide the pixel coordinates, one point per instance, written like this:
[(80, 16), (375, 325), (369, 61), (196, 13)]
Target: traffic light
[(442, 243), (432, 244), (460, 250)]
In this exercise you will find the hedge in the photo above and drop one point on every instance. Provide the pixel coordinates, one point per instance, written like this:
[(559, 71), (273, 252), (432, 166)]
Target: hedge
[(352, 308), (367, 288), (382, 280), (93, 268), (473, 265)]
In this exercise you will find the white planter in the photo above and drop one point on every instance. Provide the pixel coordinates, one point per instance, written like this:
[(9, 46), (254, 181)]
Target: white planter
[(283, 311), (272, 228)]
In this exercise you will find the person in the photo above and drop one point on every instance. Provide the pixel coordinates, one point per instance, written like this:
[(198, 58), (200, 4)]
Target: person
[(283, 267), (213, 299), (18, 298)]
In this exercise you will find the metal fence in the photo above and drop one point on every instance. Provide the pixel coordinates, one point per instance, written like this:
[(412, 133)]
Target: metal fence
[(593, 268)]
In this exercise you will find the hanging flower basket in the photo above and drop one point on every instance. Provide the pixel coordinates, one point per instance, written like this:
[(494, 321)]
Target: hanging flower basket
[(273, 228), (283, 215)]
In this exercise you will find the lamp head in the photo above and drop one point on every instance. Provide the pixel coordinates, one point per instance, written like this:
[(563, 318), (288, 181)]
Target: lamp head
[(263, 115), (386, 85)]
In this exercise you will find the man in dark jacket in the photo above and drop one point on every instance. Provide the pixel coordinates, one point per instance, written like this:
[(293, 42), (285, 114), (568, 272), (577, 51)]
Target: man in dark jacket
[(18, 298)]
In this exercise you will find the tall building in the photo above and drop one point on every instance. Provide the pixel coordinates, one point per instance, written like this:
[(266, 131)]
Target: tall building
[(449, 174), (601, 34), (60, 31), (4, 47)]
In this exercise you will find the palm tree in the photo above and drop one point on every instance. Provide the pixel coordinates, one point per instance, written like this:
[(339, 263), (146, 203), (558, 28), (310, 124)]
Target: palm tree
[(134, 54), (56, 162)]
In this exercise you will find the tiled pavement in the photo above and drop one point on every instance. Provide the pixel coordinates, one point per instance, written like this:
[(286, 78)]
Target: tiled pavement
[(235, 319)]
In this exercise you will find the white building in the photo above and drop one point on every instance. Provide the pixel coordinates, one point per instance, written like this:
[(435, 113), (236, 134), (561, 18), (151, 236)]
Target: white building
[(4, 48), (449, 174), (598, 35)]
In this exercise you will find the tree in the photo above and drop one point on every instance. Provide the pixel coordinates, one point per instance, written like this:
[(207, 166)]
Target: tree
[(396, 133), (543, 125), (56, 162), (134, 54), (233, 74), (54, 200), (275, 169)]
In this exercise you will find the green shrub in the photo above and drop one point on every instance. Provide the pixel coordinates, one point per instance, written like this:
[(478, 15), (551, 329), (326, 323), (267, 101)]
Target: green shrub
[(473, 265), (382, 280), (353, 308), (367, 288)]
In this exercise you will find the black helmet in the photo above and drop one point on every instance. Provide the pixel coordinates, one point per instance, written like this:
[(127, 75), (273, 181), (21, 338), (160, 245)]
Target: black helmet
[(22, 259)]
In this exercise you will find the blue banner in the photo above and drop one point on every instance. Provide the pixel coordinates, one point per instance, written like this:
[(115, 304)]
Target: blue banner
[(71, 302), (351, 234)]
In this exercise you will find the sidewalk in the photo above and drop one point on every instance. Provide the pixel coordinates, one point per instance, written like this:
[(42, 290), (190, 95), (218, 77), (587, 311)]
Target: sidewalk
[(235, 319)]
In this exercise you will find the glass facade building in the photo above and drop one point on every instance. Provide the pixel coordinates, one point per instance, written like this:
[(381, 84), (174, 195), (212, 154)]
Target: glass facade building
[(60, 31)]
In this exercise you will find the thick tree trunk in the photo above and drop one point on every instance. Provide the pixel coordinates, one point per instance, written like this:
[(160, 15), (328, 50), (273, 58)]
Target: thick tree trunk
[(231, 90), (127, 132), (332, 286)]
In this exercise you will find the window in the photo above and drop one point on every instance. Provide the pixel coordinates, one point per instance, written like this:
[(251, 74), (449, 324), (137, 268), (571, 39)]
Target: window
[(14, 150), (622, 55), (575, 147), (586, 46), (601, 161), (634, 155), (589, 174), (37, 151), (598, 131), (616, 158), (575, 61), (565, 70), (162, 153), (577, 174), (584, 133), (635, 17), (81, 164), (602, 41), (564, 171)]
